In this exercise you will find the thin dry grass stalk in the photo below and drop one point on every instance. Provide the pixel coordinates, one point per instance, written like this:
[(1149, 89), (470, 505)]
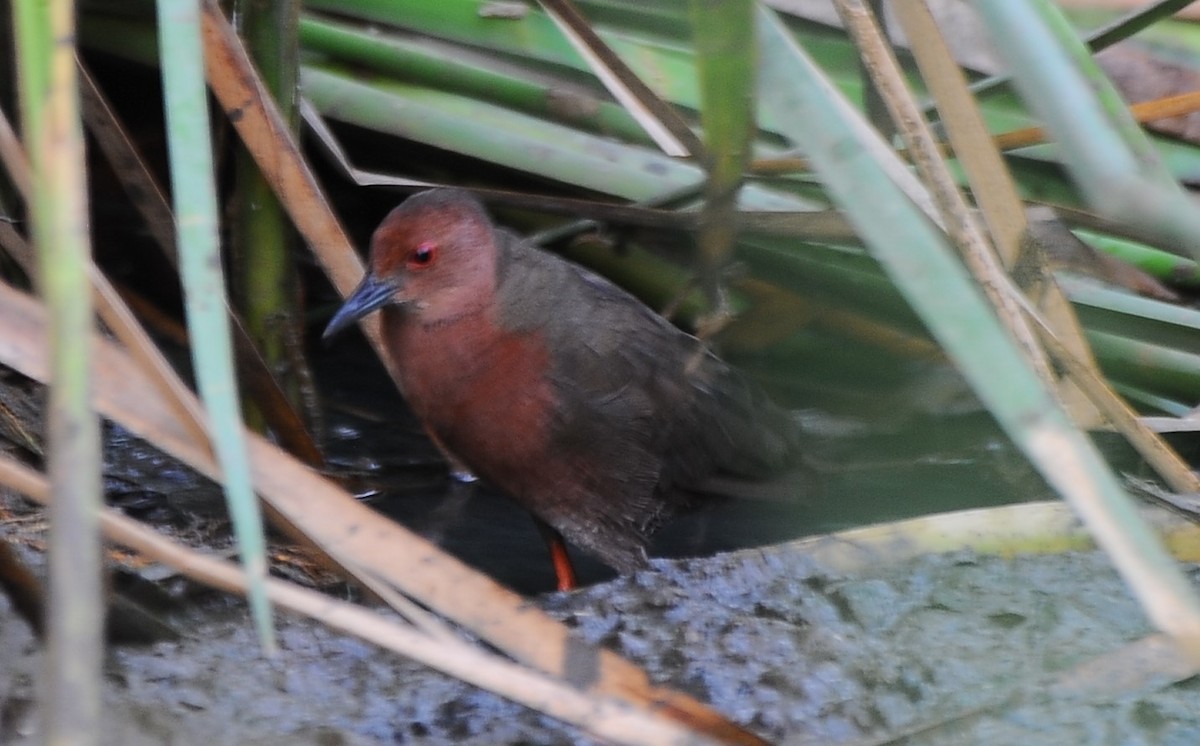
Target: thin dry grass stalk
[(112, 308), (143, 191), (262, 129), (996, 194), (664, 125), (961, 223)]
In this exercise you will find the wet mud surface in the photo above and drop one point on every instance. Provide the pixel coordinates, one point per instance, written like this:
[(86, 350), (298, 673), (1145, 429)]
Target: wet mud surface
[(949, 649)]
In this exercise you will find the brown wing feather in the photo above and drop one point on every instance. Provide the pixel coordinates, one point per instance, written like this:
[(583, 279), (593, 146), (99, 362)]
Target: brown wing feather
[(645, 410)]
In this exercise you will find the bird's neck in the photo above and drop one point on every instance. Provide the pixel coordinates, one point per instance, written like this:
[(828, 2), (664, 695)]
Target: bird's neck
[(464, 319)]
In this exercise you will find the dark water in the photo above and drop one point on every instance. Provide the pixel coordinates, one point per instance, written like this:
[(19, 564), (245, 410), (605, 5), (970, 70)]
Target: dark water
[(889, 438)]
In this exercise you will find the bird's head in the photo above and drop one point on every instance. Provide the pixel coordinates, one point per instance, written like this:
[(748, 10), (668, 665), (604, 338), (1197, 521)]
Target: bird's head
[(435, 255)]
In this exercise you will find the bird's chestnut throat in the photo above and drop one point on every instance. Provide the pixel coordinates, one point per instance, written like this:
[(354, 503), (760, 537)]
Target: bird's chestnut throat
[(469, 369)]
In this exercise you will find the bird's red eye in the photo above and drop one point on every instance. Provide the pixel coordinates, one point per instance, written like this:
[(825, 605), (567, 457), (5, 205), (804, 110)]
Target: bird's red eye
[(423, 255)]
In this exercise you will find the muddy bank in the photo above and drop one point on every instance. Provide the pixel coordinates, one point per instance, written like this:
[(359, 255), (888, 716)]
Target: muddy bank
[(951, 649)]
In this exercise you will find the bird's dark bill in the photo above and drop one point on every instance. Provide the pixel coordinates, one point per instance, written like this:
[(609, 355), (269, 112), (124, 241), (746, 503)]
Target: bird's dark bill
[(371, 294)]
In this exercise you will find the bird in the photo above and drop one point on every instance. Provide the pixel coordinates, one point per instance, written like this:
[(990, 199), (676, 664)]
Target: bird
[(555, 385)]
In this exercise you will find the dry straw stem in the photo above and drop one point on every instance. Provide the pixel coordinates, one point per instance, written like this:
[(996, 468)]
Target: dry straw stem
[(996, 194), (956, 214), (1144, 112), (661, 122), (112, 308), (266, 136), (1161, 457), (12, 154), (143, 191), (127, 164), (607, 717)]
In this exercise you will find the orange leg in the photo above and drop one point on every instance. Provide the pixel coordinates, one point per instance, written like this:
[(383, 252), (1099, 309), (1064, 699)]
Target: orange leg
[(563, 569)]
